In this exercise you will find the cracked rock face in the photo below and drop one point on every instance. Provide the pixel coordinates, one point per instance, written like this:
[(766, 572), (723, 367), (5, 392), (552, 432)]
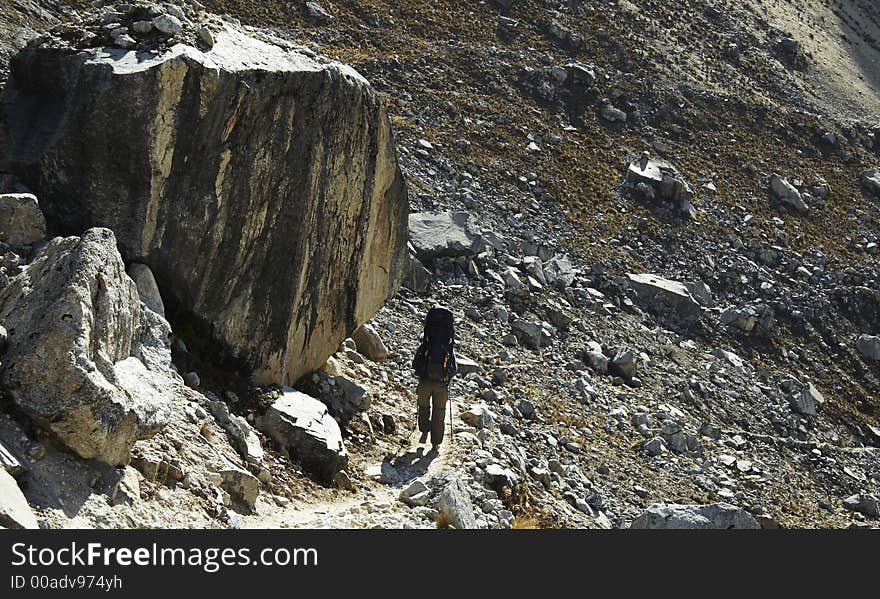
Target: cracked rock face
[(85, 359), (260, 186)]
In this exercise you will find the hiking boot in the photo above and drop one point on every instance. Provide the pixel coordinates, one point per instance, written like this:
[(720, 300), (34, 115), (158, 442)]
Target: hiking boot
[(435, 447), (423, 438)]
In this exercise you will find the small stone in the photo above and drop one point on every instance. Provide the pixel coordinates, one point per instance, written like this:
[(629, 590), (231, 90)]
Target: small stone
[(191, 379), (206, 36), (343, 481), (316, 13), (168, 24), (654, 447), (612, 114), (142, 27)]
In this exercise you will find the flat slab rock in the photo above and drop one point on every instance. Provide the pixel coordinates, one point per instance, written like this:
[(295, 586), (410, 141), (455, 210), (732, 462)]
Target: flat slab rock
[(710, 516), (447, 234), (664, 294)]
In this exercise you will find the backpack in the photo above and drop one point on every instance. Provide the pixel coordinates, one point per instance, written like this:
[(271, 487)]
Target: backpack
[(435, 357)]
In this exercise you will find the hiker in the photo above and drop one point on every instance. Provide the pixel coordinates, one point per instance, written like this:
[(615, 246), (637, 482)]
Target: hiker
[(435, 366)]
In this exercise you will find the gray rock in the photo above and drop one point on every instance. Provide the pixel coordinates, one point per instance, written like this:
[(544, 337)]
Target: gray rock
[(455, 501), (869, 347), (863, 503), (466, 365), (447, 234), (701, 293), (14, 509), (124, 41), (511, 279), (110, 381), (730, 357), (654, 447), (663, 295), (369, 343), (871, 181), (241, 485), (499, 476), (415, 494), (146, 286), (624, 363), (142, 27), (212, 227), (21, 221), (533, 335), (127, 489), (355, 396), (168, 24), (787, 193), (480, 417), (316, 13), (416, 277), (9, 462), (711, 516), (757, 320), (661, 177), (244, 437), (206, 36), (526, 408), (301, 425), (580, 75), (807, 401), (612, 114), (559, 271)]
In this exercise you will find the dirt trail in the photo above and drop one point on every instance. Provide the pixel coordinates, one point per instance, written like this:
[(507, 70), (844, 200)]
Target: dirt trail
[(374, 504)]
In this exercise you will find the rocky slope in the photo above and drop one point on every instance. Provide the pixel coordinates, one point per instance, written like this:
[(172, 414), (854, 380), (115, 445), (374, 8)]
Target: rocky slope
[(657, 226)]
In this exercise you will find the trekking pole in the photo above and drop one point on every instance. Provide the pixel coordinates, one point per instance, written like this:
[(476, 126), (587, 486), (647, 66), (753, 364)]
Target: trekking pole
[(451, 408)]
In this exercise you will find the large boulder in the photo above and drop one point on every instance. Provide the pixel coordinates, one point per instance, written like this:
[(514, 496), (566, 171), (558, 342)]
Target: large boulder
[(85, 359), (21, 221), (448, 234), (303, 427), (259, 185), (710, 516), (664, 295)]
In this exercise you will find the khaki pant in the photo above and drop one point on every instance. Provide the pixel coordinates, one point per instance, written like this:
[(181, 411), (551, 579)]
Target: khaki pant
[(432, 408)]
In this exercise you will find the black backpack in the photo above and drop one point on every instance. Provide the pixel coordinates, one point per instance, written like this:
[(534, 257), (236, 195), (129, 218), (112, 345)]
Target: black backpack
[(435, 357)]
